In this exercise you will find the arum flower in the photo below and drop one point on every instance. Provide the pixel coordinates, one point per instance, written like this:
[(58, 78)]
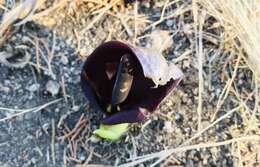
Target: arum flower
[(126, 83)]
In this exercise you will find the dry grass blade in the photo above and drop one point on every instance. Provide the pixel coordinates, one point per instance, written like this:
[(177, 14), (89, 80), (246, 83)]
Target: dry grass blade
[(22, 11), (205, 129), (198, 26), (53, 142), (135, 21), (166, 153), (24, 111), (162, 155), (56, 6), (241, 18), (179, 11), (92, 165), (225, 91), (211, 125), (256, 108), (98, 17)]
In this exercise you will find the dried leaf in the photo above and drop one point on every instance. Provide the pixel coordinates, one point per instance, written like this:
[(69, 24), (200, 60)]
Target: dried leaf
[(161, 40), (155, 66)]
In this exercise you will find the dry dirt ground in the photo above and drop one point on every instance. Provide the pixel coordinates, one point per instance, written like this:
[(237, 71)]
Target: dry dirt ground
[(45, 119)]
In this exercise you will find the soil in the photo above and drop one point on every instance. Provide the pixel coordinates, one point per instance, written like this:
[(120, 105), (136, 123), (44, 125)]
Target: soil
[(27, 140)]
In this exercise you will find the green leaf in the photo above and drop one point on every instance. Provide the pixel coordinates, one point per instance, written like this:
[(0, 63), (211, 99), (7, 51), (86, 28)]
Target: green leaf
[(111, 132)]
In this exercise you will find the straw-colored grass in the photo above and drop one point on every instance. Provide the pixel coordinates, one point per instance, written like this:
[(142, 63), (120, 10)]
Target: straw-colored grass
[(241, 37), (25, 111), (166, 153), (240, 19), (23, 11)]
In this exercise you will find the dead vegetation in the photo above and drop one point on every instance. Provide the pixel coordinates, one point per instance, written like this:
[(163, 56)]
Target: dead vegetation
[(239, 38)]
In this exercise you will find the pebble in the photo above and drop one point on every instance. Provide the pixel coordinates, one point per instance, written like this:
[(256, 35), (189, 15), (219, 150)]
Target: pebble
[(159, 138), (53, 87), (178, 118), (168, 127), (75, 108), (169, 23), (83, 51), (205, 124), (64, 60), (141, 165), (33, 160), (33, 87), (94, 139), (7, 82), (4, 88), (186, 64), (82, 157)]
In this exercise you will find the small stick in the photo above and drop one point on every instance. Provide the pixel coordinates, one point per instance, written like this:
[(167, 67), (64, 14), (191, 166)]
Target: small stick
[(37, 55), (78, 130), (90, 150), (71, 147), (165, 153), (74, 159), (35, 109), (89, 157), (97, 18), (65, 157), (80, 122), (64, 89), (75, 149), (53, 142)]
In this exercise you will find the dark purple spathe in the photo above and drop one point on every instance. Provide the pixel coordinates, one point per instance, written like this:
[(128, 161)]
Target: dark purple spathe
[(97, 85)]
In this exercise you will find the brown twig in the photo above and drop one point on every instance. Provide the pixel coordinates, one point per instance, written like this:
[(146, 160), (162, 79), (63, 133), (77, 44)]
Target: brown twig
[(80, 122)]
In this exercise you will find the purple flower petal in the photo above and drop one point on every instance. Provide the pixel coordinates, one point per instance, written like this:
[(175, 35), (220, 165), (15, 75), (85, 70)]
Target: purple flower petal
[(126, 116), (147, 90)]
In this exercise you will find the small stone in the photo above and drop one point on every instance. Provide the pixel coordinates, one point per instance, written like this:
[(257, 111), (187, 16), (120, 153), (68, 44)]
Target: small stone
[(218, 91), (195, 91), (33, 160), (205, 124), (4, 88), (168, 127), (187, 29), (64, 60), (82, 157), (57, 110), (169, 23), (75, 108), (186, 64), (94, 139), (83, 52), (45, 126), (141, 165), (50, 22), (53, 87), (147, 4), (159, 138), (33, 87), (169, 103), (178, 118)]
